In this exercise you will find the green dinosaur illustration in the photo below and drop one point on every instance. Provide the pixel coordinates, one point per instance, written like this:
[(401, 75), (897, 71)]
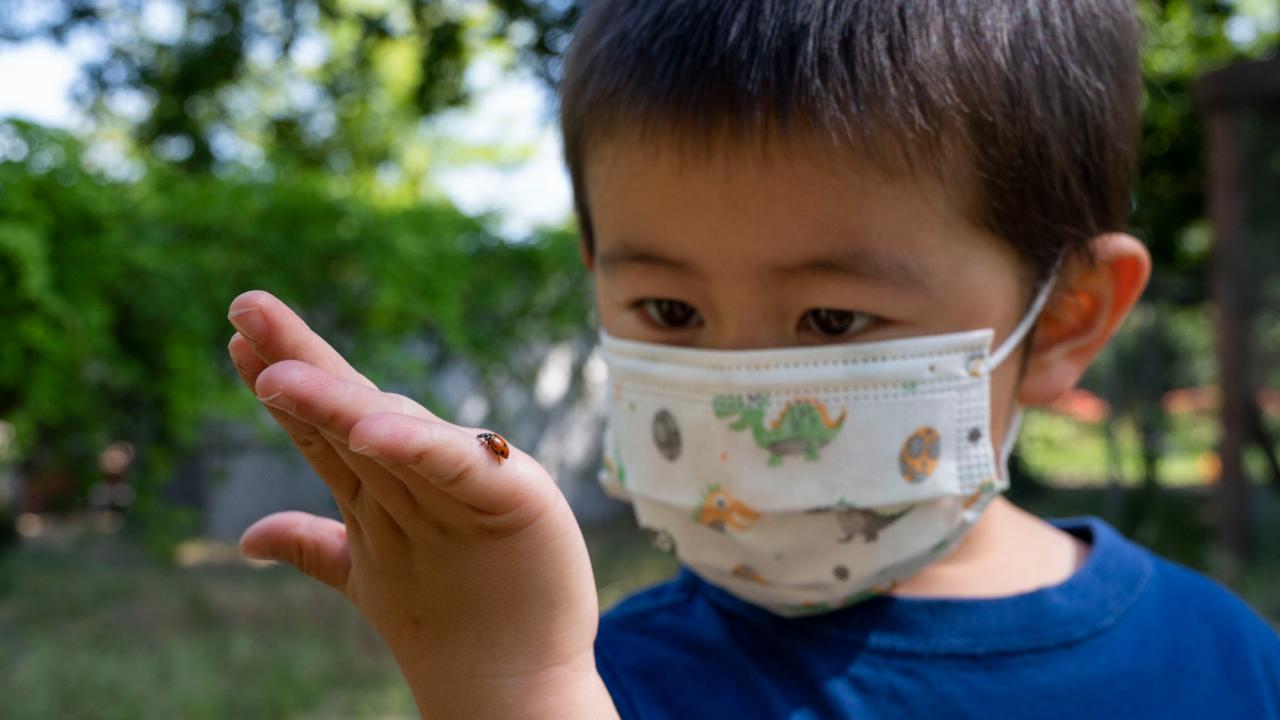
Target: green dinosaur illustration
[(616, 471), (802, 427)]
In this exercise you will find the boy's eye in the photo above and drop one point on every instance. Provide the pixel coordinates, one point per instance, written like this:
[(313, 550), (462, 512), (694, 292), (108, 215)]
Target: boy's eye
[(672, 314), (830, 322)]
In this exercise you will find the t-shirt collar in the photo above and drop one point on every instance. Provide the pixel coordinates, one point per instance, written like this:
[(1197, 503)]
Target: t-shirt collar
[(1111, 579)]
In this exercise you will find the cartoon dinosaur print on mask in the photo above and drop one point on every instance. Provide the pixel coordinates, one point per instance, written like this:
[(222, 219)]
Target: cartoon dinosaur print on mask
[(802, 427), (616, 472), (720, 510), (861, 521), (746, 572)]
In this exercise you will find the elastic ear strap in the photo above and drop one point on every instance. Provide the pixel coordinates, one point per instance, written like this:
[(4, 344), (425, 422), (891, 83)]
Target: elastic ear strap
[(1010, 440), (1028, 320)]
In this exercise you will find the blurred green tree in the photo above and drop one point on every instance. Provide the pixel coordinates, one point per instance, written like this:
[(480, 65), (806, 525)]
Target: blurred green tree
[(116, 295), (323, 83), (245, 143), (1163, 347)]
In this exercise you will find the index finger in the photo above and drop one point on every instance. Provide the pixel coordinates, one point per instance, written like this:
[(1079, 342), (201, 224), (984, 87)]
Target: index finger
[(454, 462), (276, 333)]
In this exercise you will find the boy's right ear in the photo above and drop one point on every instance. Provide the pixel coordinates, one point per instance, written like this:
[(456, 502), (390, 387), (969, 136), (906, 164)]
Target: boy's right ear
[(1087, 309)]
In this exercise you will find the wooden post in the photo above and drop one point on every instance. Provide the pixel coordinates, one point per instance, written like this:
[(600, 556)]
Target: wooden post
[(1220, 95), (1227, 210)]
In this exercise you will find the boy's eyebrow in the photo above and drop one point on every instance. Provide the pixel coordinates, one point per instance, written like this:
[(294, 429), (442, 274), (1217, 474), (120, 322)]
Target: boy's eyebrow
[(626, 255), (861, 263), (853, 262)]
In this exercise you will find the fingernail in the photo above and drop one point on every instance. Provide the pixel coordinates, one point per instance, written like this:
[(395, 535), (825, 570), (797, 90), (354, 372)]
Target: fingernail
[(364, 450), (279, 401), (250, 322), (256, 556), (257, 559)]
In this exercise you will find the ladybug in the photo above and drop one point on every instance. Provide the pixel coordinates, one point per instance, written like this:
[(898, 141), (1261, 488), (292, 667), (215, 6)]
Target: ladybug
[(496, 444)]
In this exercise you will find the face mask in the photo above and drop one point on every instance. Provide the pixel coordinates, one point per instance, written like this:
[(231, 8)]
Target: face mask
[(806, 479)]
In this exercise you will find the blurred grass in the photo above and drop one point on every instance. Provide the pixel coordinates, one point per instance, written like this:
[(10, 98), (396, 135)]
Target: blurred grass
[(1072, 453), (106, 633), (95, 629)]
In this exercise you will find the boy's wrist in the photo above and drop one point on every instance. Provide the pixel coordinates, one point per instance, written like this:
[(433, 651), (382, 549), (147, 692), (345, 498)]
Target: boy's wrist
[(563, 692)]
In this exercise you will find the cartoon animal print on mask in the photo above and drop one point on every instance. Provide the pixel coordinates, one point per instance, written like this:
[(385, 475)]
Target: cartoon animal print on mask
[(617, 473), (746, 572), (660, 538), (666, 434), (802, 427), (919, 456), (720, 510), (866, 522)]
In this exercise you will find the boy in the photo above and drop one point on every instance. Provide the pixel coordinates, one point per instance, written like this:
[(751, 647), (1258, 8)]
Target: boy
[(768, 191)]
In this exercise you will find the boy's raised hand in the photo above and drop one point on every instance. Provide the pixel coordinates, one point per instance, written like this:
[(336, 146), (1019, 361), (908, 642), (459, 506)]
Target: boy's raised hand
[(471, 568)]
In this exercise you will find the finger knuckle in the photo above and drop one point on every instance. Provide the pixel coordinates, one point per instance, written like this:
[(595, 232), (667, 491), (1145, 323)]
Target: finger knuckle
[(369, 428), (276, 376), (312, 444), (403, 403), (445, 476), (329, 416), (303, 557)]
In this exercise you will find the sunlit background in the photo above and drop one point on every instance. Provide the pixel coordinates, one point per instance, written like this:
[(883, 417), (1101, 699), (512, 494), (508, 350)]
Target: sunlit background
[(391, 169)]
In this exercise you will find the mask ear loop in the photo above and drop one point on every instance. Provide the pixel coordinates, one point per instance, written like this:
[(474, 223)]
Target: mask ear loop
[(1008, 346), (1028, 320), (1010, 440)]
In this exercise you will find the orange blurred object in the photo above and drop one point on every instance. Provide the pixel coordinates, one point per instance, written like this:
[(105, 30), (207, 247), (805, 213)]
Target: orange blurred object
[(1192, 400), (1209, 467), (1208, 399), (1082, 406)]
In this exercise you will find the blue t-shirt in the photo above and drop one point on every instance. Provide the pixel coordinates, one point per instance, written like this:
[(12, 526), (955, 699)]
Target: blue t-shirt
[(1129, 635)]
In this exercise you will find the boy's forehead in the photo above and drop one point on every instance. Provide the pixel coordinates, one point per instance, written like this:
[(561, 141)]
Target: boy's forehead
[(796, 209)]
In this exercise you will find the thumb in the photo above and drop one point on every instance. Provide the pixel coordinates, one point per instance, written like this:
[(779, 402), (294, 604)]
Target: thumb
[(316, 546)]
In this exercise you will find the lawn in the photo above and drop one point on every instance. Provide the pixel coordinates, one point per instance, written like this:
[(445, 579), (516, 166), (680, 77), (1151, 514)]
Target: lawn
[(92, 629), (103, 633)]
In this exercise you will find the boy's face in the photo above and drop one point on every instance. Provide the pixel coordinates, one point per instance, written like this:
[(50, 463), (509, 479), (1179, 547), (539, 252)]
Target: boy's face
[(794, 248)]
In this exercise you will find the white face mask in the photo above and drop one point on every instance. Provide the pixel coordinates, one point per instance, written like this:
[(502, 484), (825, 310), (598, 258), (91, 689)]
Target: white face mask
[(805, 479)]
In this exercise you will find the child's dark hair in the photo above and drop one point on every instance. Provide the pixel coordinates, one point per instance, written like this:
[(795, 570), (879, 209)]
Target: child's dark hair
[(1028, 107)]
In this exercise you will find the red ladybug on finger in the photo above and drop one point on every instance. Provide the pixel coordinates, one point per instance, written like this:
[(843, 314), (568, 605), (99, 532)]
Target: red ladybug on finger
[(496, 444)]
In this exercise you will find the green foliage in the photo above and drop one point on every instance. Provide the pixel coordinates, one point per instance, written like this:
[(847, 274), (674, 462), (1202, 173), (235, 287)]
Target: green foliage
[(1185, 39), (323, 83), (1167, 342), (116, 295)]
